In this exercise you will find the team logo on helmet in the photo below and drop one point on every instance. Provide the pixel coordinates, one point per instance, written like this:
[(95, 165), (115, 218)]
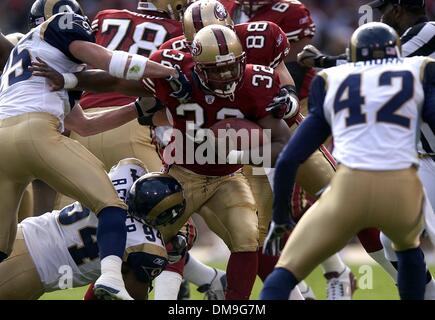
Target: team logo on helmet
[(196, 48), (220, 12)]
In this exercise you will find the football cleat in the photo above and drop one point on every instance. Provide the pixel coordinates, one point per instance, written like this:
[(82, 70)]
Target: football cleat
[(306, 291), (340, 286), (215, 290), (110, 288)]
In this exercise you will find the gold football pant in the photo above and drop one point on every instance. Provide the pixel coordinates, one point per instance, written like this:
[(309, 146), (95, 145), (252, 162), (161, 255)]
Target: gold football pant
[(357, 199), (26, 206), (19, 279), (32, 148), (313, 176), (226, 203), (130, 140)]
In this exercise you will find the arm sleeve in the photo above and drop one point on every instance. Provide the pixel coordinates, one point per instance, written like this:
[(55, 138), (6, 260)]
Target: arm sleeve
[(281, 46), (63, 29), (429, 95), (310, 135)]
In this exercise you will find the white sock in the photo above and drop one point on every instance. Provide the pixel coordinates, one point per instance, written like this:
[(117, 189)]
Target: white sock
[(296, 294), (430, 290), (197, 272), (167, 285), (111, 265), (379, 257), (333, 264)]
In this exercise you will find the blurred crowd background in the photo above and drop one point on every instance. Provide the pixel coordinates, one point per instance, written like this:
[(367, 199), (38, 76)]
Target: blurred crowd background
[(335, 19)]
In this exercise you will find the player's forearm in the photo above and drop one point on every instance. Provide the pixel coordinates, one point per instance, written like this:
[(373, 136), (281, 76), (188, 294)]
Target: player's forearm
[(118, 63), (285, 77), (86, 125), (101, 81)]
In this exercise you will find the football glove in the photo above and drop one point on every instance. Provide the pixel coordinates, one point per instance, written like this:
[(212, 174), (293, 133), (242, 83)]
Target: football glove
[(176, 248), (146, 108), (274, 242), (181, 86), (310, 56), (286, 105)]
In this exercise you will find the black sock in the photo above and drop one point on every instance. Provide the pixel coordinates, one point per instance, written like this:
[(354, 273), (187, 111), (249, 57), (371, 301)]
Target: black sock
[(112, 232), (278, 285), (411, 274), (3, 256)]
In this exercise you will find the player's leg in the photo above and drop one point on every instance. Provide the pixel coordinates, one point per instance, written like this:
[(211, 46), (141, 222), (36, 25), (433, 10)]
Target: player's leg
[(196, 190), (130, 140), (402, 221), (70, 168), (167, 284), (311, 242), (26, 205), (231, 214), (19, 278)]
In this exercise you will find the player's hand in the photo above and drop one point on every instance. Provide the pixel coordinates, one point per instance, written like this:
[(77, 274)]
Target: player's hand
[(274, 240), (285, 105), (309, 56), (42, 69), (181, 86), (146, 108), (176, 248)]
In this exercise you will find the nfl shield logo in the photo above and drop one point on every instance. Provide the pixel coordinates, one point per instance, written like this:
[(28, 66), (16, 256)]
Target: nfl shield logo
[(209, 99)]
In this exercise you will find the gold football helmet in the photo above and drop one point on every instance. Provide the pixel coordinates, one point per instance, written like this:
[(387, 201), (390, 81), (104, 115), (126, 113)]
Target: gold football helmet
[(174, 8), (204, 13), (219, 59)]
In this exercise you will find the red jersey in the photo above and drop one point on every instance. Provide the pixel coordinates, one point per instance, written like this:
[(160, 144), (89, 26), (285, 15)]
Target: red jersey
[(264, 43), (260, 85), (291, 15), (132, 32)]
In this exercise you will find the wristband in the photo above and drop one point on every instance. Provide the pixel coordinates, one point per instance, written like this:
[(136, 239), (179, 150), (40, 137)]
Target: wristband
[(136, 68), (118, 63), (70, 80)]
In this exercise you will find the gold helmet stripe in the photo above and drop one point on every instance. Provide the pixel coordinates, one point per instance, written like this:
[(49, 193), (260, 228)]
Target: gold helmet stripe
[(196, 18), (148, 248), (222, 42), (168, 202), (49, 7)]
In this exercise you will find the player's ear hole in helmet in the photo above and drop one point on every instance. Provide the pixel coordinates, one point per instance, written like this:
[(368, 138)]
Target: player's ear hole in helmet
[(219, 59), (374, 40), (42, 10), (203, 13), (156, 199)]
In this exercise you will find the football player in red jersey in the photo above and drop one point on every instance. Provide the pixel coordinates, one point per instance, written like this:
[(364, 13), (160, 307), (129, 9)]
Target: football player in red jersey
[(218, 93), (293, 18), (255, 38), (140, 32)]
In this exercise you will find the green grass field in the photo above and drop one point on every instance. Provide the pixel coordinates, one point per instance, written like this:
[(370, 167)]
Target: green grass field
[(382, 286)]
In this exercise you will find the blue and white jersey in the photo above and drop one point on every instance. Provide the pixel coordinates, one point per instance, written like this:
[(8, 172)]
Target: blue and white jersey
[(374, 110), (20, 92), (65, 239)]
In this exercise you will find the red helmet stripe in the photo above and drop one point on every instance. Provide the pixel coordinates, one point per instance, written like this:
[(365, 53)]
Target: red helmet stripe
[(197, 19), (222, 42)]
